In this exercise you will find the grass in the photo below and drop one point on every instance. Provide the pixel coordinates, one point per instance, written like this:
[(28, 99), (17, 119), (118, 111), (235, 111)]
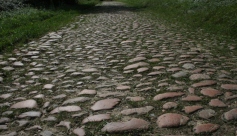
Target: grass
[(20, 26), (218, 17)]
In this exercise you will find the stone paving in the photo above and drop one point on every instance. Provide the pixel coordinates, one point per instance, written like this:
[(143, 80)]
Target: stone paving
[(117, 72)]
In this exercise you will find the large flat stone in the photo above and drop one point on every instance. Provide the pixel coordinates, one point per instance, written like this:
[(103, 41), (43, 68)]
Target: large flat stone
[(96, 118), (75, 100), (105, 104), (66, 108), (167, 95), (25, 104), (132, 125), (139, 111), (205, 128), (32, 114)]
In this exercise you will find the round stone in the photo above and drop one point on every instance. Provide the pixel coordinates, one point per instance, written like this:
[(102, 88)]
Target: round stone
[(79, 132), (207, 113), (230, 115), (171, 120), (170, 105), (188, 66)]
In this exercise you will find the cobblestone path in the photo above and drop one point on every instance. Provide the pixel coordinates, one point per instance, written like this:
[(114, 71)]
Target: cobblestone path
[(117, 72)]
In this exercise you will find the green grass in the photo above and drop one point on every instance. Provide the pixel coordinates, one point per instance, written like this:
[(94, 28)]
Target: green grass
[(20, 26), (215, 16)]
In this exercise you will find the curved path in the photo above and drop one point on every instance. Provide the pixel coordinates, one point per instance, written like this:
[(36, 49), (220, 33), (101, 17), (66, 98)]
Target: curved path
[(118, 72)]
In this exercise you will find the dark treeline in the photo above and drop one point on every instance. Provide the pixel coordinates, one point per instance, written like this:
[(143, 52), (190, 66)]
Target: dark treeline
[(6, 5)]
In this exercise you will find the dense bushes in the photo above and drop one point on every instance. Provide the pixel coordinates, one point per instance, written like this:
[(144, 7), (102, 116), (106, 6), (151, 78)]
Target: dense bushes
[(39, 3), (6, 5)]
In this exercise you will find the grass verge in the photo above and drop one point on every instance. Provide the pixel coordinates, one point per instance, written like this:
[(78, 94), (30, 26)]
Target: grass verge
[(215, 16), (21, 26)]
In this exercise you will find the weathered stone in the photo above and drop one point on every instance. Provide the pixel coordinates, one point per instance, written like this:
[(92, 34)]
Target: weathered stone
[(133, 124), (229, 86), (96, 118), (199, 77), (87, 91), (136, 65), (5, 96), (205, 128), (10, 134), (18, 64), (36, 127), (167, 95), (174, 69), (79, 132), (140, 70), (48, 86), (66, 108), (170, 105), (204, 83), (210, 92), (191, 109), (115, 94), (139, 111), (154, 60), (32, 114), (137, 59), (191, 90), (105, 104), (89, 70), (25, 104), (171, 120), (158, 67), (3, 127), (135, 99), (65, 124), (123, 88), (192, 98), (156, 73), (46, 133), (60, 96), (8, 68), (50, 118), (188, 66), (217, 103), (179, 74), (207, 113), (75, 100), (230, 115)]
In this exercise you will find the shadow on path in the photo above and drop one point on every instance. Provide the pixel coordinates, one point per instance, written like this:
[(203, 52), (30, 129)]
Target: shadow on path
[(111, 7)]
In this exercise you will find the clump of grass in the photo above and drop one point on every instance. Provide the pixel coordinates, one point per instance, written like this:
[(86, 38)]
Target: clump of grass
[(216, 16), (22, 25)]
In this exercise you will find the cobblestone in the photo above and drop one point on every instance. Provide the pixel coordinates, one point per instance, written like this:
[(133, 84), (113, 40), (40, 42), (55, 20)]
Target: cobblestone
[(116, 70)]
